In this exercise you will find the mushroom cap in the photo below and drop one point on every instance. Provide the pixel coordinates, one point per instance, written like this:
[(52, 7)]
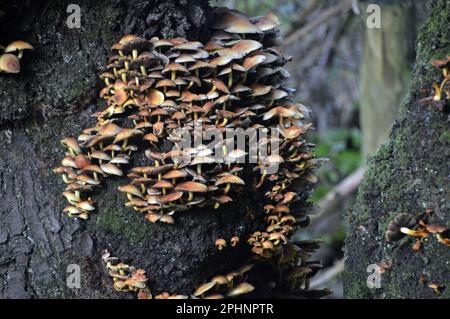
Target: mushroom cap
[(193, 187), (155, 98), (71, 143), (18, 45), (267, 22), (234, 22), (173, 66), (393, 232), (9, 63), (165, 83), (152, 170), (174, 174), (100, 155), (171, 197), (109, 129), (241, 289), (204, 288), (229, 179), (162, 184), (244, 47), (253, 61), (126, 133), (436, 228), (111, 169), (131, 189)]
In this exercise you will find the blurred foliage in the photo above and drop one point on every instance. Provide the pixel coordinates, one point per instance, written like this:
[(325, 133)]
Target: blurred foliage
[(342, 146)]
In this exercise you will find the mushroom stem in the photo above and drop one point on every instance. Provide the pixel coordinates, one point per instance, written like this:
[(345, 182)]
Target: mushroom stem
[(261, 180), (173, 75), (216, 205), (191, 196), (199, 168), (77, 196), (143, 70), (230, 79), (227, 188), (134, 54), (413, 233), (442, 240), (124, 144), (143, 188)]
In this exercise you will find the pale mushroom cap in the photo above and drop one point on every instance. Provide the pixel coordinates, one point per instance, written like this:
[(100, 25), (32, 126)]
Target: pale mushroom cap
[(131, 189), (173, 174), (193, 187), (204, 288), (71, 143), (100, 155), (111, 169), (241, 289), (9, 63), (126, 133), (18, 45), (229, 179)]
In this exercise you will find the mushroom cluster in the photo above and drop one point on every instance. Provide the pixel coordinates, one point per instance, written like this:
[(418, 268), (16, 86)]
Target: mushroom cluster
[(11, 54), (157, 90), (129, 279), (126, 278), (419, 228)]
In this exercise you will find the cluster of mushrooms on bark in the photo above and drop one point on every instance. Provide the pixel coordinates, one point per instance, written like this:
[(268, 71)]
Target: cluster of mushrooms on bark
[(153, 88)]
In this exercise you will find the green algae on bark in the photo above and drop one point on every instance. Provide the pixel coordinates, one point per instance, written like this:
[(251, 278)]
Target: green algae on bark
[(408, 174)]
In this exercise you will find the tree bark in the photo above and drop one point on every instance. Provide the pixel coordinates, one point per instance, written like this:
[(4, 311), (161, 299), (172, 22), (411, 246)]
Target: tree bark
[(53, 97), (408, 174), (387, 55)]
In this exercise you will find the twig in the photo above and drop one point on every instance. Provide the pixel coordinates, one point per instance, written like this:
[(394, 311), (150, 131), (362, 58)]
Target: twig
[(346, 187), (341, 8), (325, 277)]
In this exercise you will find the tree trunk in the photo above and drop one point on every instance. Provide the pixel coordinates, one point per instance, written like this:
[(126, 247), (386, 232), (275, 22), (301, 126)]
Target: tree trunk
[(53, 97), (408, 174), (387, 55)]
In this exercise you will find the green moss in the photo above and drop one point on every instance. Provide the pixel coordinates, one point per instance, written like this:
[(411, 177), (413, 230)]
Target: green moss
[(128, 227), (444, 138)]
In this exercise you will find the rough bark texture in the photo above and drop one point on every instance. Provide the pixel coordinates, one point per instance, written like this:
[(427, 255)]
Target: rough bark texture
[(408, 174), (52, 98)]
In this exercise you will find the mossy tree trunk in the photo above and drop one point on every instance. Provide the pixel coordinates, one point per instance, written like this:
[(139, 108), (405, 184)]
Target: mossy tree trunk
[(53, 97), (387, 55), (408, 174)]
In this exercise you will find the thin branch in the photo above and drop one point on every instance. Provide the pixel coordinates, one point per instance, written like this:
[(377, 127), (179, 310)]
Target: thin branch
[(325, 277), (346, 187), (343, 7)]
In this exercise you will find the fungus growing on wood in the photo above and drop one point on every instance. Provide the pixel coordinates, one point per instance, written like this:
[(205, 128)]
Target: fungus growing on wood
[(152, 88)]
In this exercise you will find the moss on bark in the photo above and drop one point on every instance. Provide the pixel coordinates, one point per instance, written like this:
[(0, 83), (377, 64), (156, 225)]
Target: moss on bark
[(408, 174)]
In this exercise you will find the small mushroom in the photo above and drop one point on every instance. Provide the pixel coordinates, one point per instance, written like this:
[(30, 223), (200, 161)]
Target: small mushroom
[(220, 243), (229, 180), (191, 188), (131, 191), (202, 289), (241, 289), (234, 241), (9, 63), (18, 46), (393, 232)]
